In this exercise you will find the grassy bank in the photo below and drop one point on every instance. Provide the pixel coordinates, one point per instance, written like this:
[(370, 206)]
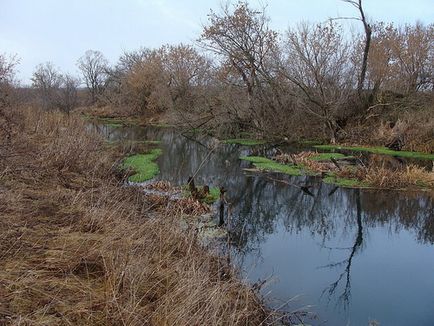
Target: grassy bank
[(79, 248), (374, 175)]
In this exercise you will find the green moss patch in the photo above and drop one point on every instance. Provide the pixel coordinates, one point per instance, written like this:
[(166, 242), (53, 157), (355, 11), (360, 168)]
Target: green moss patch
[(263, 163), (379, 150), (344, 182), (244, 141), (310, 142), (266, 164), (329, 156), (214, 194), (153, 142), (143, 165)]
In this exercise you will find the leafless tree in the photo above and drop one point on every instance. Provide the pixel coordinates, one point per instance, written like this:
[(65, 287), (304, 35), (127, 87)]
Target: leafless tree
[(318, 63), (413, 54), (68, 98), (93, 66), (146, 85), (47, 80), (243, 40), (7, 75), (368, 35), (189, 73)]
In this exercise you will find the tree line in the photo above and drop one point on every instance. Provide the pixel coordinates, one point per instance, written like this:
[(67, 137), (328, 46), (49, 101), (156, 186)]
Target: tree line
[(242, 75)]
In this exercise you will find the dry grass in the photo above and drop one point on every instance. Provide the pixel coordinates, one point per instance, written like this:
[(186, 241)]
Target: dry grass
[(381, 172), (408, 176), (78, 248), (305, 159)]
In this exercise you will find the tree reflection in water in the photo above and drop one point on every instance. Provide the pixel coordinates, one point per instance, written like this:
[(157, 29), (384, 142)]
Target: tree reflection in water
[(344, 297), (261, 207)]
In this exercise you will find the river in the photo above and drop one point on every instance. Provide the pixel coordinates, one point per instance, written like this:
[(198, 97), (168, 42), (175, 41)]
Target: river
[(347, 256)]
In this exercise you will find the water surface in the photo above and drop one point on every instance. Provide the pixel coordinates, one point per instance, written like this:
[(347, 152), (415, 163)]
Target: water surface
[(349, 256)]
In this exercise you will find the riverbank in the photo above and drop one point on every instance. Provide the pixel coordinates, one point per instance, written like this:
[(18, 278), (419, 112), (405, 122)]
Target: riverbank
[(348, 166), (79, 248)]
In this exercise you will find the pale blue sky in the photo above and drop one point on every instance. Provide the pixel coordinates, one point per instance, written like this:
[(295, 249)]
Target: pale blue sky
[(62, 30)]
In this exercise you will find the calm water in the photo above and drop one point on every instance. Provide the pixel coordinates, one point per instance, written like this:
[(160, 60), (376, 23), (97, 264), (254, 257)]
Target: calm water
[(348, 256)]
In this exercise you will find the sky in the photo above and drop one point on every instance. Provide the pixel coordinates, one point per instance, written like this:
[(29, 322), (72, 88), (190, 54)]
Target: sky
[(60, 31)]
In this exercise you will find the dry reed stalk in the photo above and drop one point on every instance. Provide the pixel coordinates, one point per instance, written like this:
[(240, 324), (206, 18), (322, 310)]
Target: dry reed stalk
[(77, 248)]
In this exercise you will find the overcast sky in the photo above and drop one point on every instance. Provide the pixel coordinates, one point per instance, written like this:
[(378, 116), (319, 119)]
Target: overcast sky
[(60, 31)]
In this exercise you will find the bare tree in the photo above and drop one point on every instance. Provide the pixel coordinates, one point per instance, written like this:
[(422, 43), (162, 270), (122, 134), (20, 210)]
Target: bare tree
[(68, 98), (7, 75), (47, 80), (146, 84), (318, 64), (243, 41), (368, 35), (413, 54), (93, 66), (189, 73)]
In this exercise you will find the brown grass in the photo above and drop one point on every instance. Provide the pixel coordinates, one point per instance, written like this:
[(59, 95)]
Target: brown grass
[(408, 176), (380, 172), (78, 248)]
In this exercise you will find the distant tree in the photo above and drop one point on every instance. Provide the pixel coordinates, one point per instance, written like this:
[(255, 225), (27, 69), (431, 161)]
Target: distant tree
[(93, 66), (188, 72), (47, 80), (68, 98), (7, 75), (145, 86), (7, 68)]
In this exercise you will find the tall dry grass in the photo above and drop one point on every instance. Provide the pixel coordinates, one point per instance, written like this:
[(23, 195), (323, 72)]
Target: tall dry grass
[(405, 177), (78, 248), (380, 171)]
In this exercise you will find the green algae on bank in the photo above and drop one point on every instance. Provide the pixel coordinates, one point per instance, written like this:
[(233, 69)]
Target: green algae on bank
[(263, 163), (379, 150), (344, 182), (244, 141), (210, 198), (143, 165), (329, 156), (310, 142), (214, 194)]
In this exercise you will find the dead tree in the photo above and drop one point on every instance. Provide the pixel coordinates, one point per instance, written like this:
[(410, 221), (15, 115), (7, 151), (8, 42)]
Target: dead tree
[(368, 33)]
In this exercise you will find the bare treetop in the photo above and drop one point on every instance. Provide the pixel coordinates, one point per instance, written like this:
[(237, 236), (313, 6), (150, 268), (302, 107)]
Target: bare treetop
[(93, 66)]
